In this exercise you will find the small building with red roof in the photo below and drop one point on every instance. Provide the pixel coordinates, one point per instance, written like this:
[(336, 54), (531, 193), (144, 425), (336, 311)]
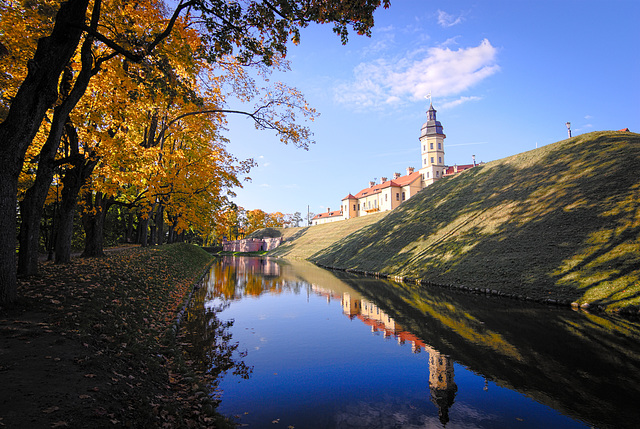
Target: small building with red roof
[(326, 217)]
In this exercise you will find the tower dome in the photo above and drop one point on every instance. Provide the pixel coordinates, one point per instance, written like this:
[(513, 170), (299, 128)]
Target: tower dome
[(432, 126)]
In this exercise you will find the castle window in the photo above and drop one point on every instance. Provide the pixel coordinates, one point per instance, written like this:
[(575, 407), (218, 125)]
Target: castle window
[(439, 160), (430, 145), (354, 206), (439, 145), (403, 196), (437, 174), (427, 174), (385, 198), (397, 196), (424, 147), (432, 160)]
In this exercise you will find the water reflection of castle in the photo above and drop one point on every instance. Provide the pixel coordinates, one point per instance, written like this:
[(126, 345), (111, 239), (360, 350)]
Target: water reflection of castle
[(264, 266), (441, 383)]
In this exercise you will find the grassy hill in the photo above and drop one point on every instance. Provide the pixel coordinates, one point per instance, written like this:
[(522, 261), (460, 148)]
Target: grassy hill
[(559, 222), (301, 243)]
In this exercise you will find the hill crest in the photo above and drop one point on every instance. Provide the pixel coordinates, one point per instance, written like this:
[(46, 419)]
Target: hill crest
[(561, 222)]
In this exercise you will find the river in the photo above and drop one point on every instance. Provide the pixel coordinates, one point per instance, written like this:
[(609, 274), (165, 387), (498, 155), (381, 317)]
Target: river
[(322, 349)]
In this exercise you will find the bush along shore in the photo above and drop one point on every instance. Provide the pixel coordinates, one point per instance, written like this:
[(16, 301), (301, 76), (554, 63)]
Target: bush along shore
[(95, 343)]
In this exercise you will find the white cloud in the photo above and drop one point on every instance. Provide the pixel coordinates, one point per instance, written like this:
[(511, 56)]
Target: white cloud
[(385, 37), (450, 41), (266, 164), (265, 185), (459, 101), (447, 20), (444, 72)]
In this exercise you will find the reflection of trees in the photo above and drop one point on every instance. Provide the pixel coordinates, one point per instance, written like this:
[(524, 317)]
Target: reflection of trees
[(233, 277), (208, 339), (209, 343)]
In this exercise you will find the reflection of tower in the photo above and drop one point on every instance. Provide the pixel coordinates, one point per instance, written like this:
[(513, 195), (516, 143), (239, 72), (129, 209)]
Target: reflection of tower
[(350, 306), (443, 388)]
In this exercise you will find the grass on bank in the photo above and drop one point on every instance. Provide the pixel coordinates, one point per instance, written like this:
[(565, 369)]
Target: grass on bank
[(560, 222), (123, 309), (302, 242)]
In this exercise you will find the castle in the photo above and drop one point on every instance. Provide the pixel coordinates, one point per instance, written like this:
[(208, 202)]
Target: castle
[(389, 194)]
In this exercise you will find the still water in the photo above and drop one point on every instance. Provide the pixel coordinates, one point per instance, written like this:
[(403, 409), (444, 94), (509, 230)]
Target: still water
[(328, 349)]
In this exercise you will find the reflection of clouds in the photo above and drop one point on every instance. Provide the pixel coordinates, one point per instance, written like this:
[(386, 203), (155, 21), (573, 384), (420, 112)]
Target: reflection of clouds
[(389, 412), (394, 413), (290, 316), (262, 317), (263, 340), (382, 415), (469, 413)]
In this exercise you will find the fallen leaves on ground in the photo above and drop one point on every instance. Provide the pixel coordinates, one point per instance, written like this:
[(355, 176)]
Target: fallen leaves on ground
[(122, 309)]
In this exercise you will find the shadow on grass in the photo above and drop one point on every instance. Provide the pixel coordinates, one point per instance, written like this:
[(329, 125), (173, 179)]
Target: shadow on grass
[(560, 222), (286, 246)]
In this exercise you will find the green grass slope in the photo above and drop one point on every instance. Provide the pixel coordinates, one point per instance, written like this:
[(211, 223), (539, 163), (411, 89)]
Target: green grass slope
[(559, 222), (303, 242)]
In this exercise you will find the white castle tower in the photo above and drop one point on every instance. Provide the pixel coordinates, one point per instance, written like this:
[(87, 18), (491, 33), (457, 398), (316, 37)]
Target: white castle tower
[(432, 146)]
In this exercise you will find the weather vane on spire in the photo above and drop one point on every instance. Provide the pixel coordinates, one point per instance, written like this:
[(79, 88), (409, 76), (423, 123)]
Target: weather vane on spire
[(428, 97)]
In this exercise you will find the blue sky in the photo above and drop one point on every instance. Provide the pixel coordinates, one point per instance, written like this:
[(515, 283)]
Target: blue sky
[(505, 77)]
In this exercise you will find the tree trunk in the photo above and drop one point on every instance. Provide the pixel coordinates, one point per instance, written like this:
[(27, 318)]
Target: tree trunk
[(8, 211), (160, 224), (94, 224), (35, 96), (33, 202), (66, 214), (172, 230), (143, 231), (129, 233), (73, 181), (31, 208), (152, 227)]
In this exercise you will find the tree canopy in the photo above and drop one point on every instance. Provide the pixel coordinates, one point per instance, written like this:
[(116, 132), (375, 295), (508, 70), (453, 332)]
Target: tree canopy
[(126, 100)]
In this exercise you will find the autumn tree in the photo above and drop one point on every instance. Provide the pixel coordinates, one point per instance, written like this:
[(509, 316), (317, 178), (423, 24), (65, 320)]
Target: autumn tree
[(252, 31)]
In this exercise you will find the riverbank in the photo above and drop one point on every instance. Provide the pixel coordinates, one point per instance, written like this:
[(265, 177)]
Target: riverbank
[(559, 224), (93, 344)]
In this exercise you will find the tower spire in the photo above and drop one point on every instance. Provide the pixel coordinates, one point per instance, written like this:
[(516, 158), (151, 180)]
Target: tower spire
[(432, 145)]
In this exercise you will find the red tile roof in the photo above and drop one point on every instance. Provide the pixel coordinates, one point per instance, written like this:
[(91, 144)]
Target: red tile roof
[(349, 197), (408, 179), (397, 183), (451, 169), (624, 130), (327, 214)]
